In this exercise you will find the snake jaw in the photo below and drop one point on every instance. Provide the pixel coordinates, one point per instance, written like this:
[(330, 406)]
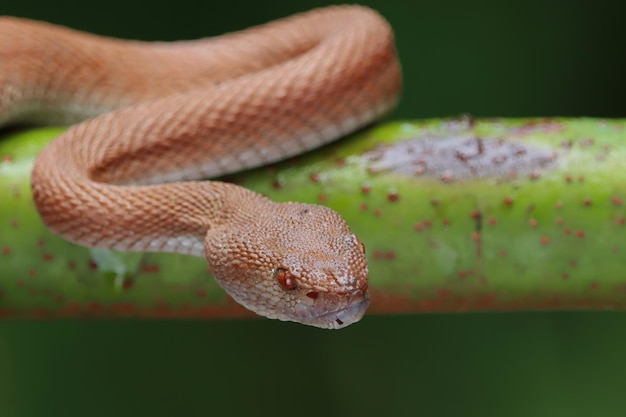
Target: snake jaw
[(347, 316), (324, 312)]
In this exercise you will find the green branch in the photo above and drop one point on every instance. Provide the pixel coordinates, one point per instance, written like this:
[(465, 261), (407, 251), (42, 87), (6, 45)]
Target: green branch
[(456, 215)]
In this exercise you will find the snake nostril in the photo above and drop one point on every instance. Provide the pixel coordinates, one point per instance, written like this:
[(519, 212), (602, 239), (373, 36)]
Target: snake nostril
[(285, 279)]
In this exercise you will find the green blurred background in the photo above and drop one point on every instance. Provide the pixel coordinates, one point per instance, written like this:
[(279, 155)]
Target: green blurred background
[(490, 58)]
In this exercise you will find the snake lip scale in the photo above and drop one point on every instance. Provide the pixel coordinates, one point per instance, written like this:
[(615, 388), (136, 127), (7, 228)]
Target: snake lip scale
[(151, 118)]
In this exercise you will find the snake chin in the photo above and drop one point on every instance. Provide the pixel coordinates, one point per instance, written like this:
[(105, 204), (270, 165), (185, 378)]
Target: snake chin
[(342, 317)]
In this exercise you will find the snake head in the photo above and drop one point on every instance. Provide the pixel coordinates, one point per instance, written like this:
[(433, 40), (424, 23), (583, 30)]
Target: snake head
[(297, 262)]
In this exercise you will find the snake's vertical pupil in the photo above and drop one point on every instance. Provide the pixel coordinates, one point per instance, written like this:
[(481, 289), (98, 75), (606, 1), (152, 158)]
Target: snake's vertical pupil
[(285, 279)]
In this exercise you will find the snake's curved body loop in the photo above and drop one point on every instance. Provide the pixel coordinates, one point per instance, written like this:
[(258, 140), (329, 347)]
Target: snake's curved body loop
[(161, 114)]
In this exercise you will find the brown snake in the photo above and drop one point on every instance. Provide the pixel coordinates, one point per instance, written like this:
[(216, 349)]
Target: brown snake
[(162, 114)]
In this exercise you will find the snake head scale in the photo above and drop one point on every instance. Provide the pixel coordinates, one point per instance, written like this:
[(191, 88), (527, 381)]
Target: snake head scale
[(299, 263)]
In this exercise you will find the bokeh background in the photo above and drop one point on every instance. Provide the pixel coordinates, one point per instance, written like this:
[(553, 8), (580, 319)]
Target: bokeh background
[(486, 58)]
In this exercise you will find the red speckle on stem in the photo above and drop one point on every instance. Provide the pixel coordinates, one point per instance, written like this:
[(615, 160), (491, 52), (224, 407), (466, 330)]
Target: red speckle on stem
[(58, 298), (41, 243), (435, 202), (201, 293), (126, 308), (492, 221), (446, 222), (616, 201), (95, 307), (535, 175), (366, 188), (418, 227), (581, 179), (587, 202), (14, 223), (390, 255), (378, 212), (545, 240), (475, 214), (6, 250), (71, 265), (567, 231), (586, 142), (32, 272), (314, 177), (558, 221), (150, 269), (128, 284), (568, 179), (508, 201), (47, 257), (447, 176), (595, 285), (443, 292), (502, 253), (564, 276), (7, 159), (558, 204), (393, 196), (321, 198), (363, 206), (580, 234), (277, 184), (533, 222), (73, 307), (573, 263), (620, 220)]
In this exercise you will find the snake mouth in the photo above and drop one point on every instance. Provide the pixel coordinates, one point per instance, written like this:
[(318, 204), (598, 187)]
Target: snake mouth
[(342, 317)]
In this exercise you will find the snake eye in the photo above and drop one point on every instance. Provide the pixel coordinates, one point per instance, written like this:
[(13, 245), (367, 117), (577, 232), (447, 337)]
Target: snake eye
[(285, 279)]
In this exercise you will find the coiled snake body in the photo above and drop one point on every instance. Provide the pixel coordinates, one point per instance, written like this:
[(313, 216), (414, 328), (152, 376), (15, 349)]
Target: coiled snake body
[(162, 114)]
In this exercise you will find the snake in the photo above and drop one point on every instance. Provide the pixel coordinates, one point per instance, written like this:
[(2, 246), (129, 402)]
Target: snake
[(152, 121)]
